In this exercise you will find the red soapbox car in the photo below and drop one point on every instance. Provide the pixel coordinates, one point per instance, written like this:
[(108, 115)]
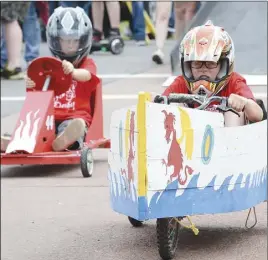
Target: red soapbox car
[(31, 140)]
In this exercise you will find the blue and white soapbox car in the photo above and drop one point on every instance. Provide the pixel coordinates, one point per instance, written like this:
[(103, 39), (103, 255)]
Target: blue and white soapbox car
[(169, 162)]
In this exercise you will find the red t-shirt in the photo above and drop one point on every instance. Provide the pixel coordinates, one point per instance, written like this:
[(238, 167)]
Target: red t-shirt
[(236, 85), (75, 102)]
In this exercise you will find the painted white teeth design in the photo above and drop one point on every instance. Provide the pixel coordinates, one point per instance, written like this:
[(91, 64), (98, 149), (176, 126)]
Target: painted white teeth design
[(250, 180), (258, 178), (263, 176), (243, 181), (231, 186)]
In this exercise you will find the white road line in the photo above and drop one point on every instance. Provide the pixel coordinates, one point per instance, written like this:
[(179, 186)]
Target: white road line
[(134, 76), (116, 97), (105, 97), (252, 80), (258, 79)]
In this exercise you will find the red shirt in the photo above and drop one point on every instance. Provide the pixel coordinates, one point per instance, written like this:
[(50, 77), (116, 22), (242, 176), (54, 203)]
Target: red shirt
[(75, 102), (236, 85)]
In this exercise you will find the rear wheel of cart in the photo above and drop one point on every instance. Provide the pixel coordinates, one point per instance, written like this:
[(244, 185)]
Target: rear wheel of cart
[(135, 222), (86, 162)]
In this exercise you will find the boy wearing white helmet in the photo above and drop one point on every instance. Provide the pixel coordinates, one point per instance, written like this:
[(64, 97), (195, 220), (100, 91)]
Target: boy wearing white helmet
[(207, 62)]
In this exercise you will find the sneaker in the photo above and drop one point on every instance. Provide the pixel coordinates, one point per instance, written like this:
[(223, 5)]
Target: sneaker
[(70, 135), (5, 139), (158, 57), (114, 32), (97, 36), (14, 74)]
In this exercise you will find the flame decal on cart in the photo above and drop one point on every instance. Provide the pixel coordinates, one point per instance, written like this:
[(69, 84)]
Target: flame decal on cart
[(24, 139)]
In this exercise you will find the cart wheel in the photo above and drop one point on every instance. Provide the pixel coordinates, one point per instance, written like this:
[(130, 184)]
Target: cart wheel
[(135, 222), (167, 237), (86, 162), (117, 46)]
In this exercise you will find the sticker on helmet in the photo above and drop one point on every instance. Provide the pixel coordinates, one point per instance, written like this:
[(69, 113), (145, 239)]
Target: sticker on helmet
[(67, 21), (203, 41)]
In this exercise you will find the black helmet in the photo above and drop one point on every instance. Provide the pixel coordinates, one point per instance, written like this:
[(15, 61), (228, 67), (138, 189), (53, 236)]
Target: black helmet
[(71, 23)]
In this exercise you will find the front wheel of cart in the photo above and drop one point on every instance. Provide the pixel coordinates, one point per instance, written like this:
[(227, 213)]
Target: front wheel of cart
[(167, 237)]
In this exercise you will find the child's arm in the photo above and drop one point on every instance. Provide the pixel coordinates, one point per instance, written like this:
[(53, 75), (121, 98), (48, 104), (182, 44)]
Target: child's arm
[(77, 74), (242, 104), (253, 111), (242, 100), (81, 75)]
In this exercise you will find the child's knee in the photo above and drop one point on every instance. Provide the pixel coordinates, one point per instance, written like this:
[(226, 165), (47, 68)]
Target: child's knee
[(60, 126)]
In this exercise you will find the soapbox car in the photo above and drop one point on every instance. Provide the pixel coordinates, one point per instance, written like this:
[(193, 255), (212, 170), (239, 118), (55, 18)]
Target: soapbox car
[(169, 162), (31, 141)]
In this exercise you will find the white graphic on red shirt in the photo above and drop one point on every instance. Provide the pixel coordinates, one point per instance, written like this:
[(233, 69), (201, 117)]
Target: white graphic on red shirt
[(67, 99)]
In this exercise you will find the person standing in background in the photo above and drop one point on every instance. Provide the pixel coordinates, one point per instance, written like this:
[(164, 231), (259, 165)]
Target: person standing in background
[(138, 23), (83, 4), (11, 13), (184, 12), (31, 34), (163, 10), (113, 9)]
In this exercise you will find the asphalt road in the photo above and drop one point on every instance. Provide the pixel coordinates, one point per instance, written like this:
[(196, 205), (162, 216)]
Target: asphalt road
[(52, 213)]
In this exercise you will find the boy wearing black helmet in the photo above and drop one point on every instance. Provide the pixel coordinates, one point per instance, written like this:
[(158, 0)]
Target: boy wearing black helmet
[(69, 38)]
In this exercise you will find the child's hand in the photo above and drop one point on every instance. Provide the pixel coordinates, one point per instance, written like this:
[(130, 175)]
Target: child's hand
[(67, 66), (29, 83), (237, 102)]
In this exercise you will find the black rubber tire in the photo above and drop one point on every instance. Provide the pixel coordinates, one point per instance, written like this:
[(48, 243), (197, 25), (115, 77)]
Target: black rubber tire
[(134, 222), (167, 241), (86, 162)]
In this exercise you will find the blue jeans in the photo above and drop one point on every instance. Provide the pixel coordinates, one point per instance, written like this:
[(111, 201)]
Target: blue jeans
[(138, 21), (171, 22), (52, 5), (31, 34), (83, 4)]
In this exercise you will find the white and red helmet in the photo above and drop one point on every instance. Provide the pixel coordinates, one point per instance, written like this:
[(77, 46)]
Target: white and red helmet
[(212, 44)]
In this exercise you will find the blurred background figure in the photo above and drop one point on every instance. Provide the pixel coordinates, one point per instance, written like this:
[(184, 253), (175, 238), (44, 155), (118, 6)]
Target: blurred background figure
[(11, 34), (113, 9), (31, 35), (183, 13), (138, 23), (83, 4), (109, 18), (163, 10)]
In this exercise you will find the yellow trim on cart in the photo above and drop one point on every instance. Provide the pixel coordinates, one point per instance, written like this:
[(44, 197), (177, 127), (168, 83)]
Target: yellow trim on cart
[(142, 156)]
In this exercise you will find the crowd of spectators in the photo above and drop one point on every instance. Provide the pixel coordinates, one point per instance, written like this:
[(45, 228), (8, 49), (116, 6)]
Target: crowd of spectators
[(26, 22)]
